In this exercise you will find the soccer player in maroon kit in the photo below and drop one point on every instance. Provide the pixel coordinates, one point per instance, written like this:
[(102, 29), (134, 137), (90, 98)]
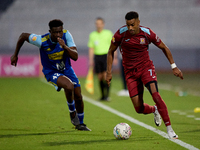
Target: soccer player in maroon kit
[(133, 41)]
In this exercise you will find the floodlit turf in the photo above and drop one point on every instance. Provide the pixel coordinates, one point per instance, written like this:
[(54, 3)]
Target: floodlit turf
[(34, 116)]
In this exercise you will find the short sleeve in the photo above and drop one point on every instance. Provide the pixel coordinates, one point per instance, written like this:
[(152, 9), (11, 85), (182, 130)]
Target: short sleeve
[(70, 40), (35, 40), (154, 38)]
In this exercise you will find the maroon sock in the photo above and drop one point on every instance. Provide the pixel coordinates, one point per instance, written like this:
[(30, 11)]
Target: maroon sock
[(145, 109), (148, 109), (162, 108)]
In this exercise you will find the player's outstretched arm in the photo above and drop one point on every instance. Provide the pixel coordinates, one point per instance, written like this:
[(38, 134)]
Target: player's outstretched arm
[(22, 38), (176, 71), (110, 57)]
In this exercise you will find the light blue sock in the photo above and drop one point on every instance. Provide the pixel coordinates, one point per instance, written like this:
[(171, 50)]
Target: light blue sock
[(81, 116), (71, 106)]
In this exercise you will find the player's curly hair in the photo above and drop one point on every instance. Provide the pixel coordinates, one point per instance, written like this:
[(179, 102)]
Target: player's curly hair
[(55, 23), (132, 15)]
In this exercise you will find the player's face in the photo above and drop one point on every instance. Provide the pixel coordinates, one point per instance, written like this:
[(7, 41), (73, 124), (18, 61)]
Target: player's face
[(133, 26), (56, 32), (99, 25)]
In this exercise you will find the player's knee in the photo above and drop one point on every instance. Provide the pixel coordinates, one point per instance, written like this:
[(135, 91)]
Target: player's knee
[(69, 87), (139, 109)]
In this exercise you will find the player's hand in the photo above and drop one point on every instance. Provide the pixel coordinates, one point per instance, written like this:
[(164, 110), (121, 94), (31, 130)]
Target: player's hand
[(14, 60), (177, 72), (108, 78), (61, 42)]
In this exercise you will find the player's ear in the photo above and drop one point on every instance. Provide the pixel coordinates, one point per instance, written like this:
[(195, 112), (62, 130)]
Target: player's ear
[(138, 22)]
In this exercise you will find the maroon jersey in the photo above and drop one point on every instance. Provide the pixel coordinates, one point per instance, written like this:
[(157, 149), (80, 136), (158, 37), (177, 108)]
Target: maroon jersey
[(134, 48)]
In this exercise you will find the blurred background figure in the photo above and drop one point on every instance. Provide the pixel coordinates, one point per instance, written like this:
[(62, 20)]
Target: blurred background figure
[(124, 91), (99, 42)]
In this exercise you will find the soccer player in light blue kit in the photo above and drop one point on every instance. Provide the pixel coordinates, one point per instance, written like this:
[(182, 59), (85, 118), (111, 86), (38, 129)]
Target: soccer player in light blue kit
[(56, 49)]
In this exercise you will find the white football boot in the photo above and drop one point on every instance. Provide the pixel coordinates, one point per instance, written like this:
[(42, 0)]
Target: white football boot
[(171, 133), (157, 117)]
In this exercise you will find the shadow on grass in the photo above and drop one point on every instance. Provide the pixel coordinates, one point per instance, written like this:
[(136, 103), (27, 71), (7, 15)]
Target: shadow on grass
[(29, 134), (94, 141)]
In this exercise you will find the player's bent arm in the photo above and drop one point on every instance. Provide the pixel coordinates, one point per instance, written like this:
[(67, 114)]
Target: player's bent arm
[(176, 71), (22, 38), (71, 51), (110, 57)]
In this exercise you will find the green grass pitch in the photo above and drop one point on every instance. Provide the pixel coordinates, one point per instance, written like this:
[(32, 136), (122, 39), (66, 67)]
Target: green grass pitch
[(34, 116)]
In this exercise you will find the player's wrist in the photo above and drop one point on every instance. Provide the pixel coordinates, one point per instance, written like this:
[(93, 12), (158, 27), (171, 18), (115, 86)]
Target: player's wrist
[(108, 72), (173, 65)]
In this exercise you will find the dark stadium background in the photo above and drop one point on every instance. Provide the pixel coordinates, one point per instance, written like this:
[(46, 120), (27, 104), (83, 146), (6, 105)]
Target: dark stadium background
[(176, 22)]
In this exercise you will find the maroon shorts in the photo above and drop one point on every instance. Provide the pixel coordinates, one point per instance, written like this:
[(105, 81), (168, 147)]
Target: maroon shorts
[(137, 78)]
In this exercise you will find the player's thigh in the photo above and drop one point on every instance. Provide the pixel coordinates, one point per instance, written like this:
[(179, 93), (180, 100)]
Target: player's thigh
[(65, 82), (53, 79), (135, 86), (69, 73), (137, 100)]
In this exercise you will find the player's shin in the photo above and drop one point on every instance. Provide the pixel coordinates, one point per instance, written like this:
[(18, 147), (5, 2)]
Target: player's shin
[(71, 106), (162, 108)]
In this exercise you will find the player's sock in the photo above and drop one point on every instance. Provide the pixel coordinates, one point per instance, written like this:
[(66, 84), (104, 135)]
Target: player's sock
[(145, 109), (71, 106), (81, 117), (162, 108), (101, 83), (148, 109), (107, 89)]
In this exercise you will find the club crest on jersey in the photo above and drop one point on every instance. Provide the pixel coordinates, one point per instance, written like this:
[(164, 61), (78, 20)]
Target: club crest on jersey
[(34, 38), (142, 40)]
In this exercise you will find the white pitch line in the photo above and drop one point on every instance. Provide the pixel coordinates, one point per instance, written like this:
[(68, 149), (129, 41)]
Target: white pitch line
[(118, 113)]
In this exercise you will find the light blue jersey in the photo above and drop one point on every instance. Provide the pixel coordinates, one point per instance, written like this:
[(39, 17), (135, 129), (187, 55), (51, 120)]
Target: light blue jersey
[(54, 60)]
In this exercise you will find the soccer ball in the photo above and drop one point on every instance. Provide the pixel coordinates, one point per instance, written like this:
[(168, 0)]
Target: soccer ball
[(122, 131)]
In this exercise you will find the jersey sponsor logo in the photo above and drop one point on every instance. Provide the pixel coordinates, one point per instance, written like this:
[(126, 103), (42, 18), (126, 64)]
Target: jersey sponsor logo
[(56, 56), (34, 38), (142, 40), (60, 66), (127, 40)]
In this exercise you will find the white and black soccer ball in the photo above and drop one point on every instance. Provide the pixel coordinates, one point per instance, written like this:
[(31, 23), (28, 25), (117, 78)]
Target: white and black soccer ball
[(122, 131)]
